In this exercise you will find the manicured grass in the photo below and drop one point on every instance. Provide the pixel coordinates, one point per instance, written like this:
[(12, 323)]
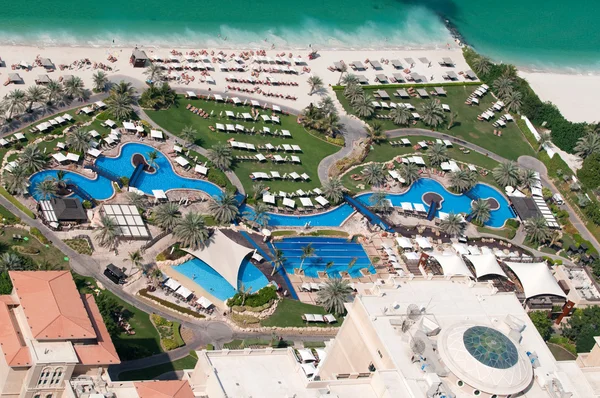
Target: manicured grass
[(153, 372), (7, 216), (313, 149), (505, 232), (289, 314), (15, 202), (314, 344), (32, 247), (511, 145)]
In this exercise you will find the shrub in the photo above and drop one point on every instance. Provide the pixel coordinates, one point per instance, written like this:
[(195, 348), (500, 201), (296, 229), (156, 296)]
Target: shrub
[(335, 141), (260, 298), (210, 347), (27, 250), (244, 319), (39, 235), (87, 204), (124, 180), (513, 223), (589, 174), (159, 320), (170, 344), (217, 177), (168, 304)]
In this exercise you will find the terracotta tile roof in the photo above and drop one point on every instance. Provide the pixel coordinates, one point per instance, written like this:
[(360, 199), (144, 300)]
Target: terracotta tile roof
[(104, 352), (52, 305), (164, 389), (16, 353)]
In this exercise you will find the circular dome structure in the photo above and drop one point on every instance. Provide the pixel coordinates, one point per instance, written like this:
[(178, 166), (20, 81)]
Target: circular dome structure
[(485, 358)]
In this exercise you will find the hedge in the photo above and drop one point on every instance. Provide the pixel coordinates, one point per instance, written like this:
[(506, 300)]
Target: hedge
[(258, 299), (406, 85), (168, 304), (217, 177), (39, 235)]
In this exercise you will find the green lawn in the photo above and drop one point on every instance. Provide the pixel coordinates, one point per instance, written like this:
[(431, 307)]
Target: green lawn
[(32, 247), (506, 232), (153, 372), (313, 149), (289, 314), (511, 145)]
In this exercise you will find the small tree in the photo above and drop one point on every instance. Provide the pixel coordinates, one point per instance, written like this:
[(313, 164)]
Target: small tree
[(542, 323)]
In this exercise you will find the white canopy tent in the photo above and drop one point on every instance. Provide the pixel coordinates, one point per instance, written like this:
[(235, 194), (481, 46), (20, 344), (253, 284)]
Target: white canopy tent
[(404, 243), (184, 292), (172, 284), (201, 169), (204, 302), (537, 280), (486, 264), (452, 265), (181, 161), (159, 194)]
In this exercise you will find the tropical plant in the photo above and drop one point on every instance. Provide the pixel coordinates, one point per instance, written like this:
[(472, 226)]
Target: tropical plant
[(480, 210), (260, 214), (46, 188), (452, 121), (100, 81), (118, 105), (16, 180), (432, 113), (588, 145), (375, 131), (363, 106), (60, 181), (507, 173), (529, 177), (220, 155), (353, 92), (315, 83), (188, 134), (409, 172), (152, 157), (307, 251), (79, 140), (350, 79), (546, 138), (310, 116), (333, 190), (379, 201), (10, 261), (334, 294), (513, 101), (481, 65), (326, 105), (401, 116), (438, 153), (503, 86), (32, 158), (191, 231), (278, 261), (373, 174), (224, 208), (343, 69), (329, 124), (123, 88), (158, 97), (453, 224), (244, 292), (54, 92), (155, 73), (136, 259), (137, 200), (463, 180), (537, 229), (35, 95), (107, 234), (166, 216), (258, 188), (14, 102), (74, 88)]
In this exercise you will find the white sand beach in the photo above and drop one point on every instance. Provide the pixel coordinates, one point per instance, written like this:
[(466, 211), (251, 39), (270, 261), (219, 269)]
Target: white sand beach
[(575, 95)]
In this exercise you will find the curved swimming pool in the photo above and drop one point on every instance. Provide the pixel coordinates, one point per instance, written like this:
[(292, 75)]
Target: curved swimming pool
[(100, 188)]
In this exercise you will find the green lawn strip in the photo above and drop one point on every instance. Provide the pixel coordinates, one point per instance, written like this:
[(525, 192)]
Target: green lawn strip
[(563, 342), (177, 334), (314, 149), (15, 202), (511, 145), (505, 232), (314, 344), (152, 372), (289, 314), (32, 247), (7, 216)]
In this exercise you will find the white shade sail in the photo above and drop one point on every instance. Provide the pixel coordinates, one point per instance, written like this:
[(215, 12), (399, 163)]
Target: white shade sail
[(452, 265), (536, 278), (486, 264)]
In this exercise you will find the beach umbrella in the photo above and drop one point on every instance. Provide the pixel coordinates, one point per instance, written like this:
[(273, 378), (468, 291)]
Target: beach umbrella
[(212, 112), (220, 113)]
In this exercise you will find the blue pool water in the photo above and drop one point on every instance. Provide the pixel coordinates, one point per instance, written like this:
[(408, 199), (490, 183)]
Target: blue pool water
[(452, 202), (331, 218), (338, 250), (100, 188), (210, 280)]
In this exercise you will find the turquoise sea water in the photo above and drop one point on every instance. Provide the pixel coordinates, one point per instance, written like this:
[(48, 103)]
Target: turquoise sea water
[(535, 33)]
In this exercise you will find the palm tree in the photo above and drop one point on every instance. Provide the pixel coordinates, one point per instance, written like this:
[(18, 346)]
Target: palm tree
[(588, 145), (258, 188), (329, 124), (480, 210), (528, 177), (10, 261), (136, 259), (481, 65), (350, 79), (16, 180), (137, 200), (326, 105), (79, 140), (123, 88), (166, 216), (100, 81), (315, 83), (14, 102), (60, 181), (452, 225), (118, 105), (334, 294), (155, 73), (224, 208), (507, 173), (32, 158), (438, 153), (74, 88), (107, 234), (54, 92), (353, 92), (307, 251), (46, 188), (310, 116), (379, 201), (374, 174), (513, 101), (244, 292), (363, 106), (35, 95), (220, 155), (432, 113), (333, 190), (463, 180), (503, 85), (191, 231), (188, 134), (260, 214), (409, 172), (400, 116), (537, 229), (375, 130), (546, 138), (152, 157), (343, 69), (278, 261)]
